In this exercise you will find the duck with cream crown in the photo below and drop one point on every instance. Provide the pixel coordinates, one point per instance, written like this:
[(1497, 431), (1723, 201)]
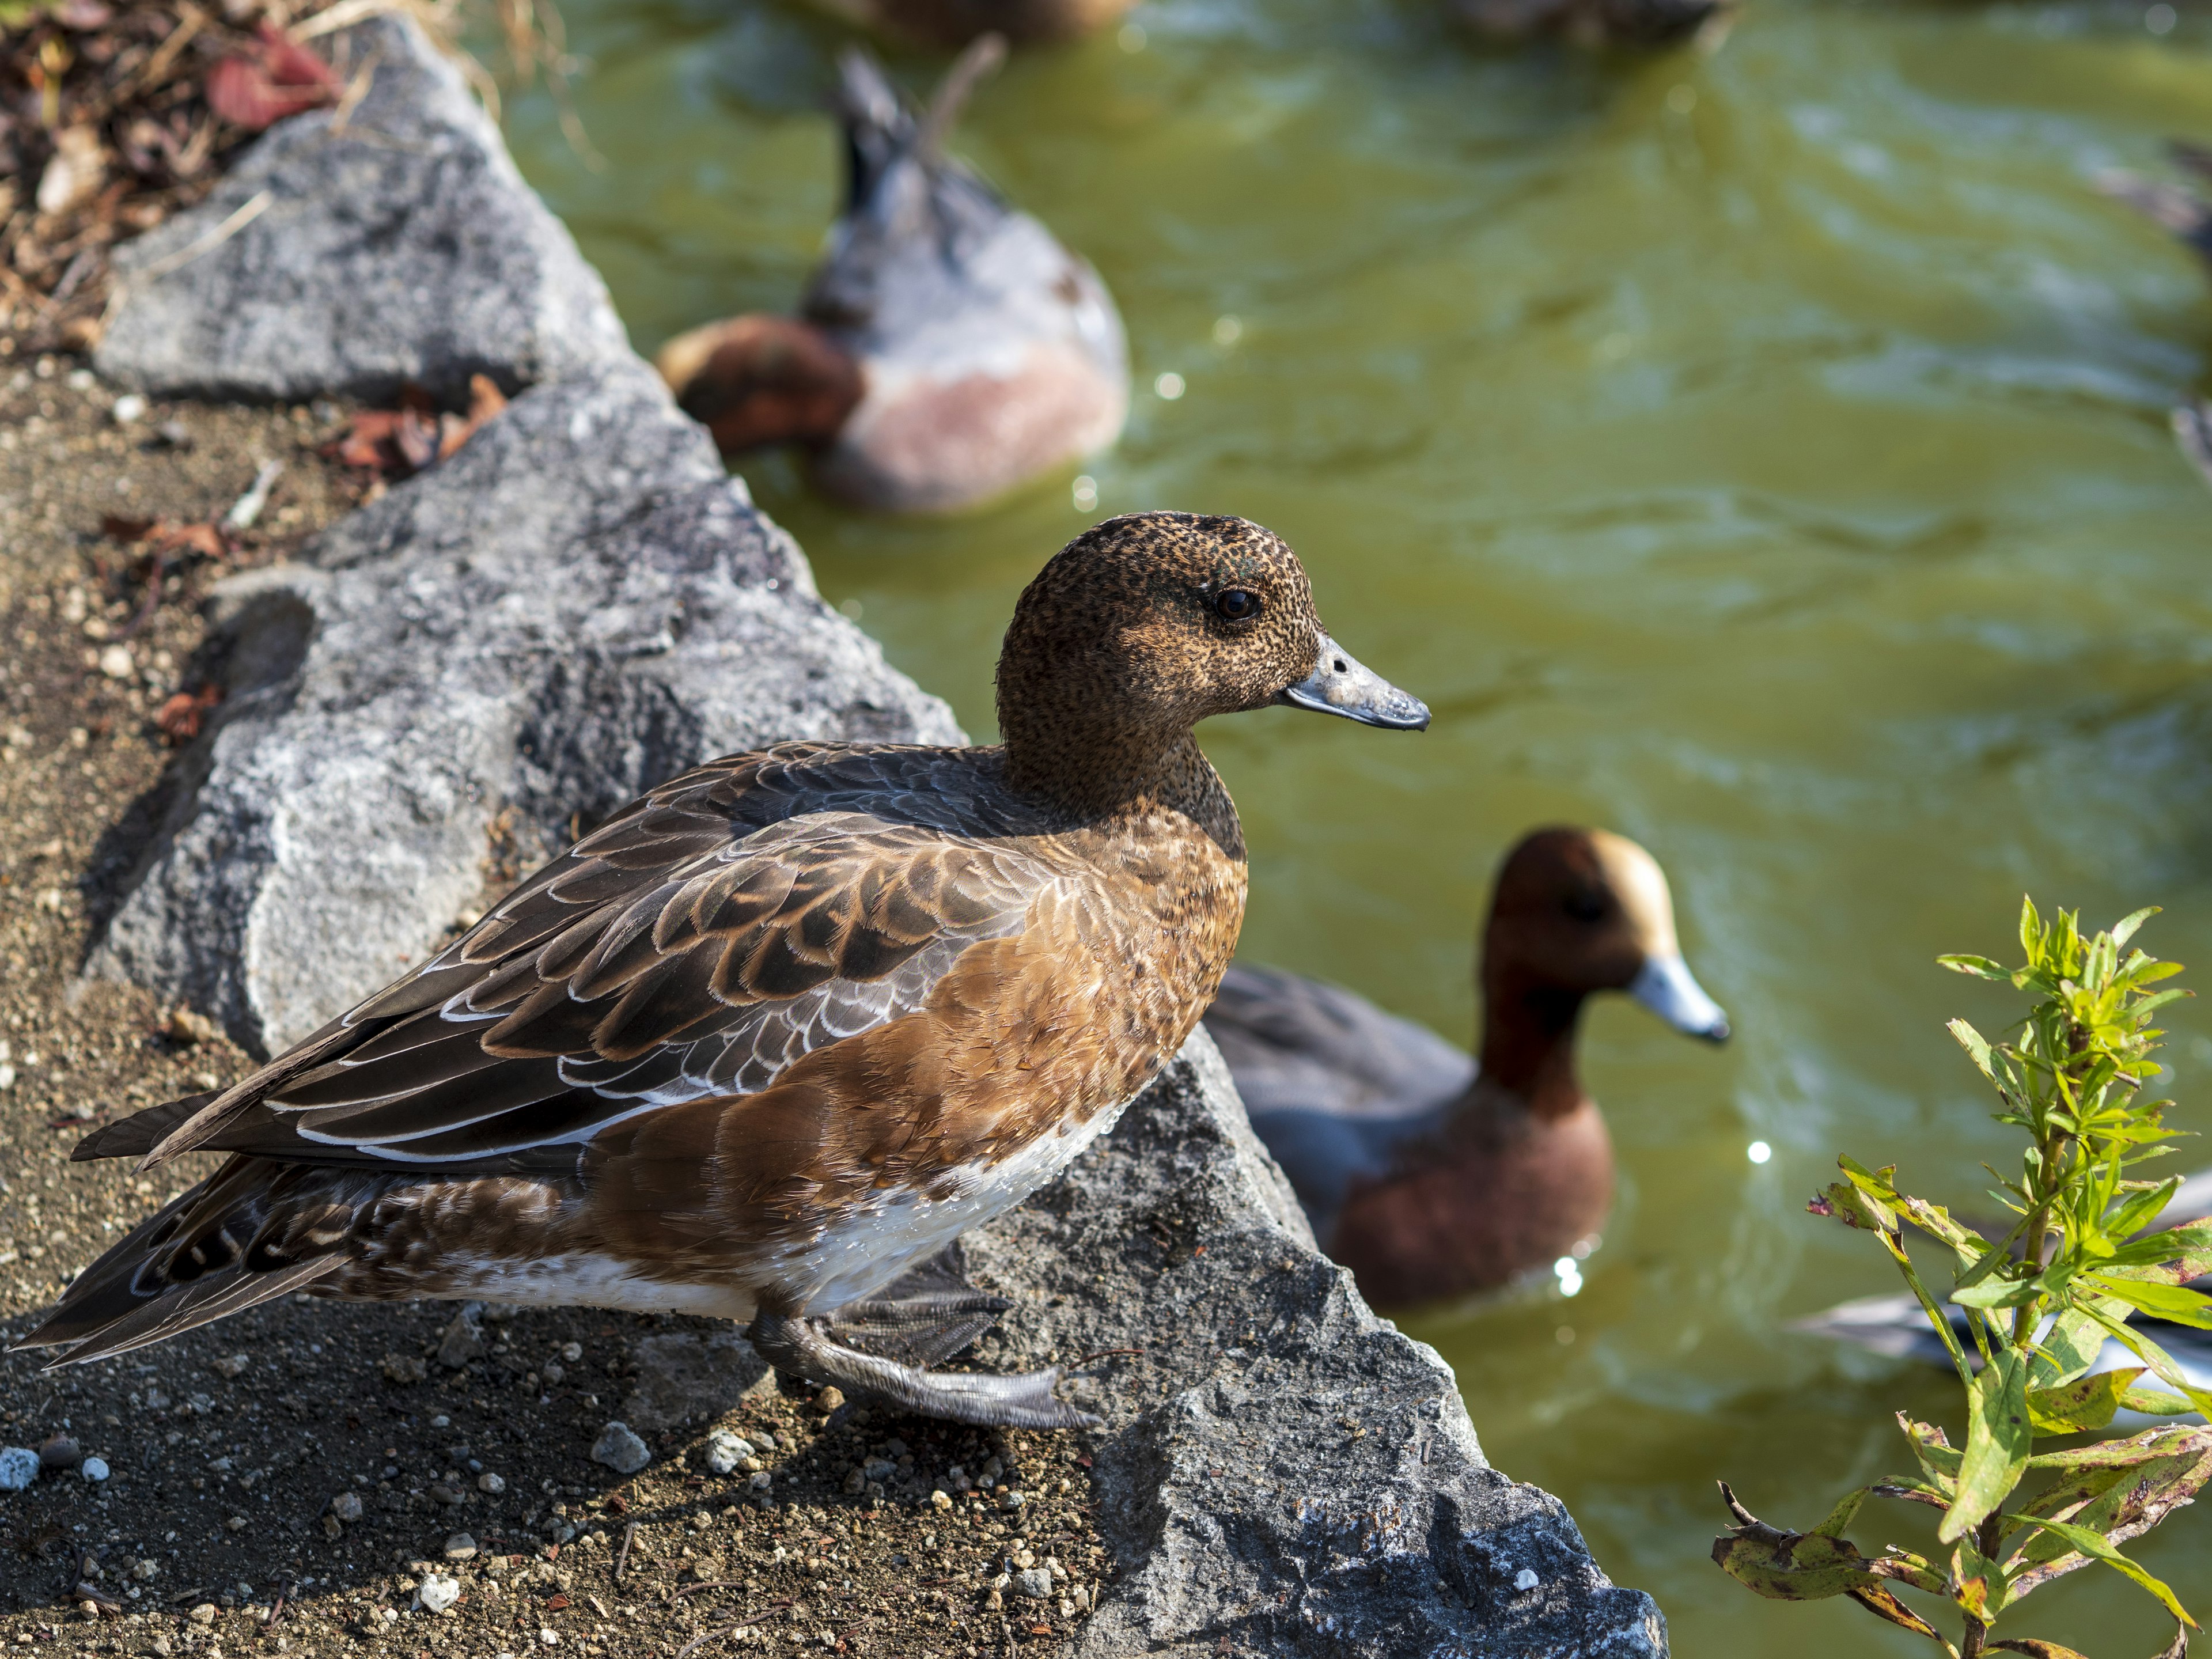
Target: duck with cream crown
[(1426, 1173), (768, 1040), (948, 350)]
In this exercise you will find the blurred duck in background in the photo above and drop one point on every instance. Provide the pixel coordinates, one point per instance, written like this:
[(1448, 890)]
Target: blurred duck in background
[(1596, 23), (2187, 214), (948, 25), (1427, 1174), (948, 349)]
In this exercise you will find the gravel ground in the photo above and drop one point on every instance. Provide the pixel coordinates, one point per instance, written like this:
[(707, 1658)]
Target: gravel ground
[(315, 1478)]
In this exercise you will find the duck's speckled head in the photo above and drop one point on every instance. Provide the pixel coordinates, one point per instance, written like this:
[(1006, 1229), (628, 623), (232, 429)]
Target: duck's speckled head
[(1584, 910), (1146, 624)]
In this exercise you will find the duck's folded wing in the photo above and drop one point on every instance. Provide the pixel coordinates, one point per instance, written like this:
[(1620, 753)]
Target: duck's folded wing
[(672, 955), (1299, 1044)]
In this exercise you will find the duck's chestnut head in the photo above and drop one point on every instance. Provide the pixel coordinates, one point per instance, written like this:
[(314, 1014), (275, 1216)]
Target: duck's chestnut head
[(759, 380), (1583, 910)]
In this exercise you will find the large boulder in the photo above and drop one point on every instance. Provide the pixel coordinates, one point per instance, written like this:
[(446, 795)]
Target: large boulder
[(352, 253), (575, 605), (1281, 1470)]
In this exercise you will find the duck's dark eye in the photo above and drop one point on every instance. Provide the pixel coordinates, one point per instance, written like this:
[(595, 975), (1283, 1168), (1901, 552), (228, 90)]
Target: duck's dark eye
[(1237, 604), (1585, 905)]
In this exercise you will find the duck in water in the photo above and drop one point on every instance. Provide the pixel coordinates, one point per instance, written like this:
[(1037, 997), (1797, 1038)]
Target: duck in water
[(774, 1036), (1599, 23), (948, 25), (1425, 1173), (947, 350)]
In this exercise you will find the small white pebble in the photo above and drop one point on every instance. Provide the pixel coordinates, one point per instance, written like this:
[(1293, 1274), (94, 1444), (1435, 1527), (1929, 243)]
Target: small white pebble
[(128, 408), (117, 662), (438, 1594), (1525, 1579), (491, 1483), (94, 1468), (81, 379), (726, 1451)]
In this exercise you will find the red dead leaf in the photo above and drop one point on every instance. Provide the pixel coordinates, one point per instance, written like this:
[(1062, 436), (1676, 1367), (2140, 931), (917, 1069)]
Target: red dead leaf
[(397, 441), (204, 539), (273, 78), (554, 1603), (182, 715), (119, 528)]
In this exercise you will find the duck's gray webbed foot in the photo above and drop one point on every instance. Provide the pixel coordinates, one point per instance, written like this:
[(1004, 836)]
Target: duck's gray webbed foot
[(803, 1346), (923, 1318)]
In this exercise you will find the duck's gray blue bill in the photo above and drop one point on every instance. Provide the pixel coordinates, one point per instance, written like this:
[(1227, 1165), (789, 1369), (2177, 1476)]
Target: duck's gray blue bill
[(1341, 685), (1666, 987)]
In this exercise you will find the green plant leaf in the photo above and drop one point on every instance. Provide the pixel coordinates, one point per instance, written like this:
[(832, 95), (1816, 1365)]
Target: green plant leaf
[(1997, 1293), (2093, 1544), (1854, 1208), (2087, 1403), (1939, 1459), (2155, 1402), (2068, 1348), (2125, 928), (2176, 1303), (1979, 967), (1998, 1439), (1883, 1605), (2152, 1355), (1975, 1583), (1790, 1566)]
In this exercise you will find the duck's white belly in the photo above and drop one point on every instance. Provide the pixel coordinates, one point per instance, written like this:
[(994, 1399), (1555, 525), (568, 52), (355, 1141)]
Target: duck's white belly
[(583, 1279), (865, 1251)]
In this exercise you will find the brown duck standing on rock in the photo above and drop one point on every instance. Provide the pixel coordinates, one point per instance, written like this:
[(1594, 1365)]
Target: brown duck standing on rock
[(948, 349), (1430, 1176), (776, 1034)]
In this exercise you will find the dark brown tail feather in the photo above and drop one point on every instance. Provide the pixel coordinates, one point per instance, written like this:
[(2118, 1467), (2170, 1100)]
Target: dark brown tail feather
[(139, 1134), (233, 1240)]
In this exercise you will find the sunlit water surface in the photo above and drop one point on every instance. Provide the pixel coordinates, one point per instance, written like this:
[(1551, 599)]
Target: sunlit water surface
[(1764, 454)]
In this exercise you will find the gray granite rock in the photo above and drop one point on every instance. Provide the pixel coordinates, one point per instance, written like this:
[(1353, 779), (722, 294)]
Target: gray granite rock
[(1281, 1470), (575, 606), (396, 243)]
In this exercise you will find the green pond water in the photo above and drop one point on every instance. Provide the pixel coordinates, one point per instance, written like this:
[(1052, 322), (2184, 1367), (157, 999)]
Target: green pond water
[(1764, 454)]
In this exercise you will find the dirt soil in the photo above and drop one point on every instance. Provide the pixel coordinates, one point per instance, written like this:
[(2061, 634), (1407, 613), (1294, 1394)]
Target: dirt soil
[(214, 1531)]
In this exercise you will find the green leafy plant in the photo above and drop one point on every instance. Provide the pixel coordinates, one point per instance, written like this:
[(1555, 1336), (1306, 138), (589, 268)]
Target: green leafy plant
[(2084, 1257)]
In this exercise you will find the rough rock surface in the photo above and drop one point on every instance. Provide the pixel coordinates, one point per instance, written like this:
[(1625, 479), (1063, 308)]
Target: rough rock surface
[(1280, 1469), (576, 605), (396, 243), (580, 603)]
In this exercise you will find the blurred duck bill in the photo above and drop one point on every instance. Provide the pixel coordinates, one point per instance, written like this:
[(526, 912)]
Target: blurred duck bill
[(1341, 685), (1665, 986)]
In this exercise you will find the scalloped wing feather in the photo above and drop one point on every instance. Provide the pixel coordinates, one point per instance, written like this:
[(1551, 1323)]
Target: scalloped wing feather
[(699, 943)]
